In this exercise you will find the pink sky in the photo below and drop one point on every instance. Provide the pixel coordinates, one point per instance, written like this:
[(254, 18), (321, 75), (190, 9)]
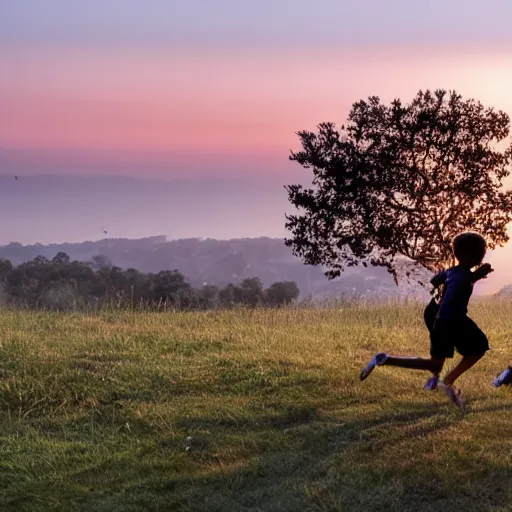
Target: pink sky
[(164, 101)]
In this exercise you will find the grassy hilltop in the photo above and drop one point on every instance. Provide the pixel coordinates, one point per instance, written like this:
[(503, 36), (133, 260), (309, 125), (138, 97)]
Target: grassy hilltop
[(96, 411)]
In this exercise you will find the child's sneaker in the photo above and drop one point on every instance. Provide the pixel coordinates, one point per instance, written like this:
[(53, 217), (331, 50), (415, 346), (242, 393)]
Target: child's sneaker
[(431, 384), (454, 395), (377, 360), (503, 378)]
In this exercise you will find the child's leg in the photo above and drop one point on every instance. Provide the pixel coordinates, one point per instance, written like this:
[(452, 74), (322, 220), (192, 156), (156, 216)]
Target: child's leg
[(462, 366), (434, 364)]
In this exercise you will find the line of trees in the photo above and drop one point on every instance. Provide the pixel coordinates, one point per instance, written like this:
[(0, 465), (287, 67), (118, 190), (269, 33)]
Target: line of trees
[(61, 284)]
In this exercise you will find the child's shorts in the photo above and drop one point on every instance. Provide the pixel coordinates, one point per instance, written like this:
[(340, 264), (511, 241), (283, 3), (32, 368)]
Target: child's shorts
[(462, 334)]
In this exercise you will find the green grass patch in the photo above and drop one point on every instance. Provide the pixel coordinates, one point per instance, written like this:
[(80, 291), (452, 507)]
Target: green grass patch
[(245, 411)]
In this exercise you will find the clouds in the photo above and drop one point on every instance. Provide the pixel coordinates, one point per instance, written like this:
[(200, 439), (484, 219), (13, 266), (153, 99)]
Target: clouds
[(254, 23)]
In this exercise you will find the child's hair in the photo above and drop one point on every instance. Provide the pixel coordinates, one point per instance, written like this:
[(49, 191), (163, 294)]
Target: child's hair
[(469, 247)]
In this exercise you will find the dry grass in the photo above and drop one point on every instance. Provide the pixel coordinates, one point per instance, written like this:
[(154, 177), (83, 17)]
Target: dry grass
[(96, 411)]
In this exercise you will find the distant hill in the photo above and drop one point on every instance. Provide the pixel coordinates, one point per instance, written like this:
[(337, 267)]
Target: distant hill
[(220, 262), (505, 292)]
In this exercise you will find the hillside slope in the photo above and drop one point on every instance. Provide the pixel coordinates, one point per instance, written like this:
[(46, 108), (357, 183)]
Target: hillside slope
[(220, 262)]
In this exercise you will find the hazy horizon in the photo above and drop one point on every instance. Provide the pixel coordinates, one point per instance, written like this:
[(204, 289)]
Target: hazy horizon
[(58, 208)]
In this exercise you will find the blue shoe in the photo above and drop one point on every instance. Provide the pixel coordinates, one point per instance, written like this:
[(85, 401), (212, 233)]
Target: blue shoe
[(431, 384), (503, 378), (377, 360)]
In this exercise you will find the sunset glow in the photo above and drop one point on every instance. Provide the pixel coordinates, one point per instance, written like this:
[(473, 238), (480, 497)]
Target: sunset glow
[(194, 81), (164, 99), (213, 102)]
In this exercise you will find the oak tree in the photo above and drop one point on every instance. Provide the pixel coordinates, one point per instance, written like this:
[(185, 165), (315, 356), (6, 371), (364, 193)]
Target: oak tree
[(397, 182)]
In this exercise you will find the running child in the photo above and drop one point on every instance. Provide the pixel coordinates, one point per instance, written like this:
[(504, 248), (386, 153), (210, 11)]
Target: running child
[(447, 321)]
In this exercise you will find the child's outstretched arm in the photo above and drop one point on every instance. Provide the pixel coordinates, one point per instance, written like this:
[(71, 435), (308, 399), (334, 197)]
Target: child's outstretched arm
[(482, 272)]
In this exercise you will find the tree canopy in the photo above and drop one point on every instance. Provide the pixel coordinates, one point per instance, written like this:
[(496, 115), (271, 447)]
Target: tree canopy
[(397, 182)]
